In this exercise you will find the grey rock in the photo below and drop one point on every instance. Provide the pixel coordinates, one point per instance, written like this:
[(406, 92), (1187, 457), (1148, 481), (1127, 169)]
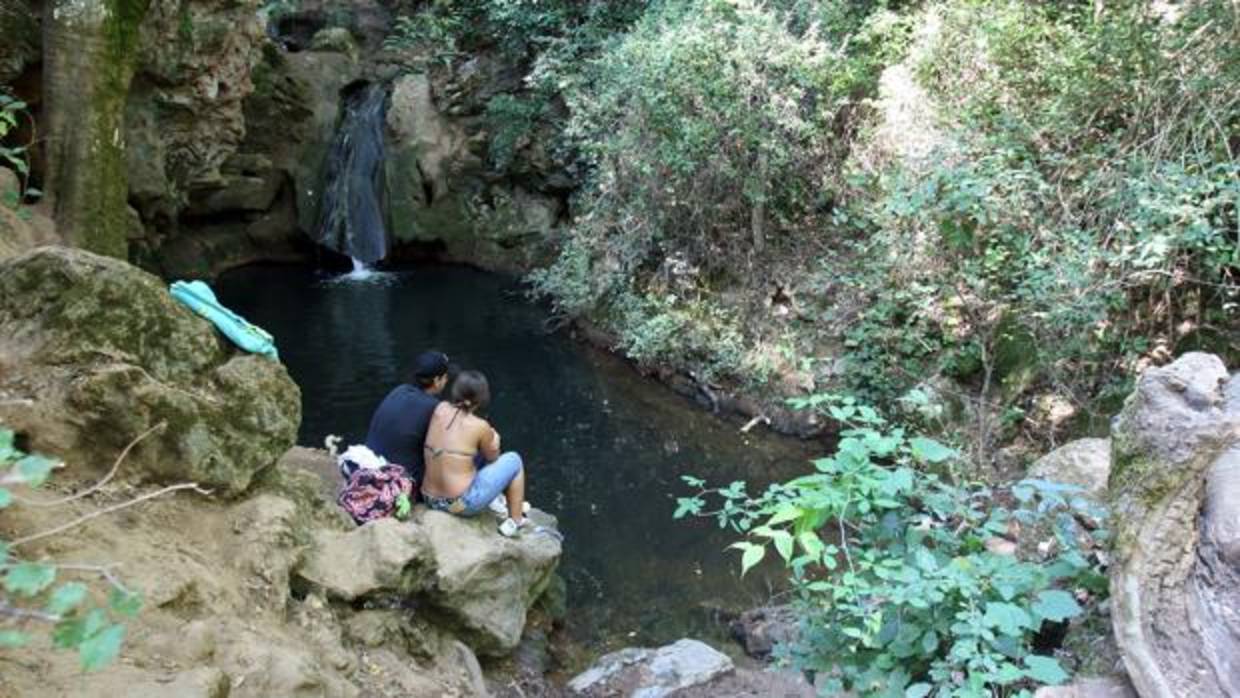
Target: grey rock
[(651, 673), (1175, 491), (185, 113), (96, 351), (383, 556), (482, 585), (1084, 462), (1089, 688), (237, 193), (460, 572), (758, 630)]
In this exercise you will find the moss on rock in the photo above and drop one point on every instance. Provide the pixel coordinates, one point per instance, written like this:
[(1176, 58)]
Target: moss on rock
[(101, 352)]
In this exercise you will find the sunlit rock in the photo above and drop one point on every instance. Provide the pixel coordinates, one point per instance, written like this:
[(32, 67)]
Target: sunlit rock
[(1175, 488), (1085, 463), (651, 673)]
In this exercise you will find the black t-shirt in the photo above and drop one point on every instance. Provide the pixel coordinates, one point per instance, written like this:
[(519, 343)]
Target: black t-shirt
[(398, 428)]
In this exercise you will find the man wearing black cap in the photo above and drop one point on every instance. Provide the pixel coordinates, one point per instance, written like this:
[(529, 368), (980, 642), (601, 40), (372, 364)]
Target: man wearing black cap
[(398, 426)]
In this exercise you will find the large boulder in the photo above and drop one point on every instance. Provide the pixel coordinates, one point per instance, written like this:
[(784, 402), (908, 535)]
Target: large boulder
[(484, 584), (473, 582), (1085, 463), (382, 557), (1175, 487), (651, 673), (95, 352)]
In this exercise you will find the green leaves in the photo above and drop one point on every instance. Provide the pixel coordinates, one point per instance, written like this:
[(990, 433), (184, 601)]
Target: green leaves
[(101, 648), (66, 598), (894, 575), (751, 554), (929, 450), (125, 603), (1009, 619), (34, 469), (1056, 605), (687, 506), (28, 586), (29, 578), (1045, 670)]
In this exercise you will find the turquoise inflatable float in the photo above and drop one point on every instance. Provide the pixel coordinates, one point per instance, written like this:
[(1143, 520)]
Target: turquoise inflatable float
[(200, 299)]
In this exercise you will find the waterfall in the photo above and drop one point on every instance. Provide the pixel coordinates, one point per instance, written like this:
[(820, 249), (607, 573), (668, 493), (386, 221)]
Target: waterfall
[(351, 213)]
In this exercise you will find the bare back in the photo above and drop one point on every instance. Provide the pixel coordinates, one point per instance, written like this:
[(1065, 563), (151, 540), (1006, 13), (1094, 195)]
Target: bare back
[(453, 438)]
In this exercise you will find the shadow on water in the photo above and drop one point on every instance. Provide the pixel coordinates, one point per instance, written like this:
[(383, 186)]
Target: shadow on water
[(604, 448)]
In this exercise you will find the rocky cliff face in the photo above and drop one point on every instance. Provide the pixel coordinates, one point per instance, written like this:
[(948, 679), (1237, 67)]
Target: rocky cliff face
[(229, 113)]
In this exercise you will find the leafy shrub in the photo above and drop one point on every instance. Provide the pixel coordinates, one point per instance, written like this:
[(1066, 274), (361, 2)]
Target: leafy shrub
[(14, 157), (699, 336), (510, 119), (1085, 215), (76, 615), (901, 587), (433, 30)]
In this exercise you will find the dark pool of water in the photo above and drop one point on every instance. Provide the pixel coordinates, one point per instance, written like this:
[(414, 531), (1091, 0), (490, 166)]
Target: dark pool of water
[(604, 448)]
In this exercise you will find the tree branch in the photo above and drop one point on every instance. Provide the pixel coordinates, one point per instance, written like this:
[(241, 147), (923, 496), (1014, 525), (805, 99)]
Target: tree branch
[(116, 507), (94, 488)]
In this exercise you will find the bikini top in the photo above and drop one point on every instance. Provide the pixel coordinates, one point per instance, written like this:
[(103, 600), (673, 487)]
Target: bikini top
[(437, 452)]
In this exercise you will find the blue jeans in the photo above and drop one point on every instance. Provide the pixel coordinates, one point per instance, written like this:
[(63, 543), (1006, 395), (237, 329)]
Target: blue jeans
[(489, 482)]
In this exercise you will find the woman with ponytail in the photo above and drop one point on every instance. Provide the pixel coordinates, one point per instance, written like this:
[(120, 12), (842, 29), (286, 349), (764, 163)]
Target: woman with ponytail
[(465, 470)]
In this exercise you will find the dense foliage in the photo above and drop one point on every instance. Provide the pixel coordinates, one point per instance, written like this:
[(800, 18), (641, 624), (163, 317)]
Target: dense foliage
[(14, 157), (1075, 218), (909, 584), (1083, 212), (35, 597), (715, 131)]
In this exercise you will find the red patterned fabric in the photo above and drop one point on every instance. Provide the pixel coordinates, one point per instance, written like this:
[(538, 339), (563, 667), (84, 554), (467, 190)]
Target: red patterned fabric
[(372, 494)]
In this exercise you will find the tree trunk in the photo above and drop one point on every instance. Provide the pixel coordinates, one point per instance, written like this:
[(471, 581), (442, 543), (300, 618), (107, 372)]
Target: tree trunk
[(89, 53), (757, 214)]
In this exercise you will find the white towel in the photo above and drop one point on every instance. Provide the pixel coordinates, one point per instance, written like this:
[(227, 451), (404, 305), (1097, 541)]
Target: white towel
[(362, 456)]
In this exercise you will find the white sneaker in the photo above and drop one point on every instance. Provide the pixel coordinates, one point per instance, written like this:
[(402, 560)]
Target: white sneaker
[(510, 528), (499, 506)]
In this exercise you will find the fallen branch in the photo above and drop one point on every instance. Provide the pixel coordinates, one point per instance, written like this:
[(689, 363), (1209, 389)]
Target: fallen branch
[(116, 507), (763, 419), (106, 478), (27, 614)]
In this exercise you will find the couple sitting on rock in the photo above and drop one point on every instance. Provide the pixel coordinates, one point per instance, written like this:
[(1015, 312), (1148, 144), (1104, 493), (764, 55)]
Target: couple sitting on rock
[(451, 452)]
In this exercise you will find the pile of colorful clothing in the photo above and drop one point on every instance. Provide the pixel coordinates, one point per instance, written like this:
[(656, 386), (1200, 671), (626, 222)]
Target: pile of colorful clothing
[(374, 488)]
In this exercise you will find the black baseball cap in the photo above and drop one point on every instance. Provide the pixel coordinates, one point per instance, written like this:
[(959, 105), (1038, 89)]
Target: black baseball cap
[(430, 365)]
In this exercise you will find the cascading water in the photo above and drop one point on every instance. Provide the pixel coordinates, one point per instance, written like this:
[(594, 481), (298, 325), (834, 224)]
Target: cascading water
[(351, 214)]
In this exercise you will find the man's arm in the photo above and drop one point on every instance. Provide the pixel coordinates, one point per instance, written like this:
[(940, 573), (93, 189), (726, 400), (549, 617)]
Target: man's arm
[(489, 446)]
